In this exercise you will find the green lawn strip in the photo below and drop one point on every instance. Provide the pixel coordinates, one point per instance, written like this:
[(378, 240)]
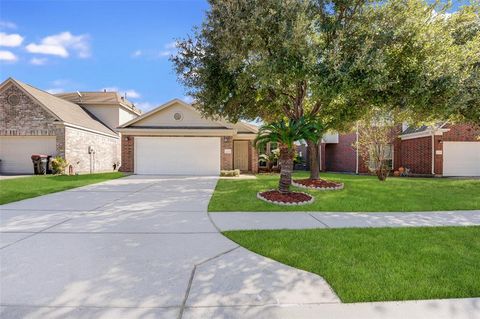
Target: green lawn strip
[(12, 190), (382, 264), (361, 194)]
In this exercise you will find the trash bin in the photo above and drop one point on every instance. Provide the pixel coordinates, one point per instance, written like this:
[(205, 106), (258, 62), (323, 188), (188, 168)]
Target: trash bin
[(39, 164)]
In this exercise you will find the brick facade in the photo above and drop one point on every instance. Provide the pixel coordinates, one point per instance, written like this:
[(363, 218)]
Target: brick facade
[(415, 153), (28, 118), (341, 156), (77, 143), (226, 160), (25, 119), (128, 149)]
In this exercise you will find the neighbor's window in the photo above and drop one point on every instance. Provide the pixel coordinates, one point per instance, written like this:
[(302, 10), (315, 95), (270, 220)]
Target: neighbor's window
[(388, 154)]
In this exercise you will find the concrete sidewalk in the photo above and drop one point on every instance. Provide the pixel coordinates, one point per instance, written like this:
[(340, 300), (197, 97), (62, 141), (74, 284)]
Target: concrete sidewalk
[(305, 220)]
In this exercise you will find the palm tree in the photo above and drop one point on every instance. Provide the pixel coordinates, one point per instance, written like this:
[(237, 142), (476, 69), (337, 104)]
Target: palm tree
[(285, 133)]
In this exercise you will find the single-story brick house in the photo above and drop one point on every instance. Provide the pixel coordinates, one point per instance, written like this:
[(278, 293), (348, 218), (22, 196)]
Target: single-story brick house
[(176, 139), (439, 150), (33, 121)]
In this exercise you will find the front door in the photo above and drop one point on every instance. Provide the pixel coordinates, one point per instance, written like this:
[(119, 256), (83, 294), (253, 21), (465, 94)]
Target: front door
[(240, 155)]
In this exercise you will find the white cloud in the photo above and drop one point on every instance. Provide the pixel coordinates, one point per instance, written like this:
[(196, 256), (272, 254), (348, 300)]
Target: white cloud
[(38, 61), (55, 90), (8, 56), (10, 40), (137, 53), (131, 94), (170, 49), (188, 99), (145, 106), (7, 25), (62, 45)]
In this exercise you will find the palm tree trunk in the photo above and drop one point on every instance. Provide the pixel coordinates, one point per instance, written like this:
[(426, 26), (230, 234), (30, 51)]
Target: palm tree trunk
[(286, 168), (314, 159)]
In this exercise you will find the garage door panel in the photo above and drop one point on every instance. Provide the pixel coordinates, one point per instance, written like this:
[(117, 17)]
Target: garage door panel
[(16, 152), (177, 155), (461, 158)]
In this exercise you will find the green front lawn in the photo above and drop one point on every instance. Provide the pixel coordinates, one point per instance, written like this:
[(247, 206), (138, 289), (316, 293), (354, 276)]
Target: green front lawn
[(12, 190), (382, 264), (361, 194)]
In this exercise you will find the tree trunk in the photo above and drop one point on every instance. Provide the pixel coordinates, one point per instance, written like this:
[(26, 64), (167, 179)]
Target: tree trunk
[(382, 172), (314, 157), (286, 168)]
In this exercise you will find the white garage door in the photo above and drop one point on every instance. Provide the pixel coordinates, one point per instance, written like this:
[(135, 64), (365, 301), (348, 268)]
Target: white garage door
[(177, 155), (461, 158), (16, 152)]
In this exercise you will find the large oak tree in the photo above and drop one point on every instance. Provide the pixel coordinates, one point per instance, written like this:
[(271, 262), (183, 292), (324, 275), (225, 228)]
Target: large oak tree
[(330, 60)]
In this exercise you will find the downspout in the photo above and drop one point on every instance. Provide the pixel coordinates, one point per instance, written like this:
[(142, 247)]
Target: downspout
[(433, 151), (357, 158)]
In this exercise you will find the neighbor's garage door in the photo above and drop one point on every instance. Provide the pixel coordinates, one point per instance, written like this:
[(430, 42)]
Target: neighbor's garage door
[(16, 152), (461, 158), (177, 155)]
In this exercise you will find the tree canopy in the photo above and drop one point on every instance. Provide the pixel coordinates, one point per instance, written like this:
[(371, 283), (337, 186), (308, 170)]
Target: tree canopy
[(332, 59)]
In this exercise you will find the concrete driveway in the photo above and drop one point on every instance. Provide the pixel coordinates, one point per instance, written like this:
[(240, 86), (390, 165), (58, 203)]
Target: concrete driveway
[(138, 247)]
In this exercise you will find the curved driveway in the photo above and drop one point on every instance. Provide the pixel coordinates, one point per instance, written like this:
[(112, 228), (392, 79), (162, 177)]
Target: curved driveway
[(138, 247)]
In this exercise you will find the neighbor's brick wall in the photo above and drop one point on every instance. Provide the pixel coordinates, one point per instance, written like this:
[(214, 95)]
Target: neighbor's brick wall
[(28, 118), (127, 145), (341, 156), (77, 143), (417, 155), (226, 160), (462, 132)]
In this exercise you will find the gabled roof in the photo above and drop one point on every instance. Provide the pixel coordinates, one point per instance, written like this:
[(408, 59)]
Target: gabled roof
[(423, 128), (107, 98), (241, 127), (63, 110)]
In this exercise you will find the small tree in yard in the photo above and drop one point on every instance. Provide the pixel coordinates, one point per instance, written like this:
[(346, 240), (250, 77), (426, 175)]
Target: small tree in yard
[(284, 133), (375, 139)]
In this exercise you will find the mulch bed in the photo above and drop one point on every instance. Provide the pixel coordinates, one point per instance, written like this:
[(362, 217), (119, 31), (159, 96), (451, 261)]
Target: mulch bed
[(320, 184), (290, 198)]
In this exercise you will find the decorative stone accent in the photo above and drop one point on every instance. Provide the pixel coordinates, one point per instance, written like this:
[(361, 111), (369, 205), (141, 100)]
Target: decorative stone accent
[(341, 186), (26, 118), (312, 199)]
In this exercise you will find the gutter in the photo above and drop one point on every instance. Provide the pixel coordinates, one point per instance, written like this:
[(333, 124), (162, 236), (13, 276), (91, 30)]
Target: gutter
[(86, 129)]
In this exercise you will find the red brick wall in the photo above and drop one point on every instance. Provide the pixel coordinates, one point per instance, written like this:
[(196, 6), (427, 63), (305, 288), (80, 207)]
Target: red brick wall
[(127, 154), (226, 162), (341, 156), (462, 132), (416, 154)]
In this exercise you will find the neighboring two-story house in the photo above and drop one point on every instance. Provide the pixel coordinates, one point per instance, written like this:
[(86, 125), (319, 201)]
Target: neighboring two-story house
[(77, 126)]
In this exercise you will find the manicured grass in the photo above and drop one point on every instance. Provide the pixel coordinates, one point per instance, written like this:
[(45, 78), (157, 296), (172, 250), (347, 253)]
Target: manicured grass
[(12, 190), (379, 264), (361, 194)]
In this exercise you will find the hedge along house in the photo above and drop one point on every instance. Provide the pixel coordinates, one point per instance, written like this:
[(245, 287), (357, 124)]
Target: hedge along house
[(33, 121), (175, 139)]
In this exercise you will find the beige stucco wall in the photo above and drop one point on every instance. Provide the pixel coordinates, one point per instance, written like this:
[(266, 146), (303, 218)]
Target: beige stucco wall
[(108, 114), (77, 142), (125, 116), (165, 118)]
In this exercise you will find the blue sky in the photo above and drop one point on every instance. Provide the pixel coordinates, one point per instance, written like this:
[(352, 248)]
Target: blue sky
[(85, 45), (90, 45)]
